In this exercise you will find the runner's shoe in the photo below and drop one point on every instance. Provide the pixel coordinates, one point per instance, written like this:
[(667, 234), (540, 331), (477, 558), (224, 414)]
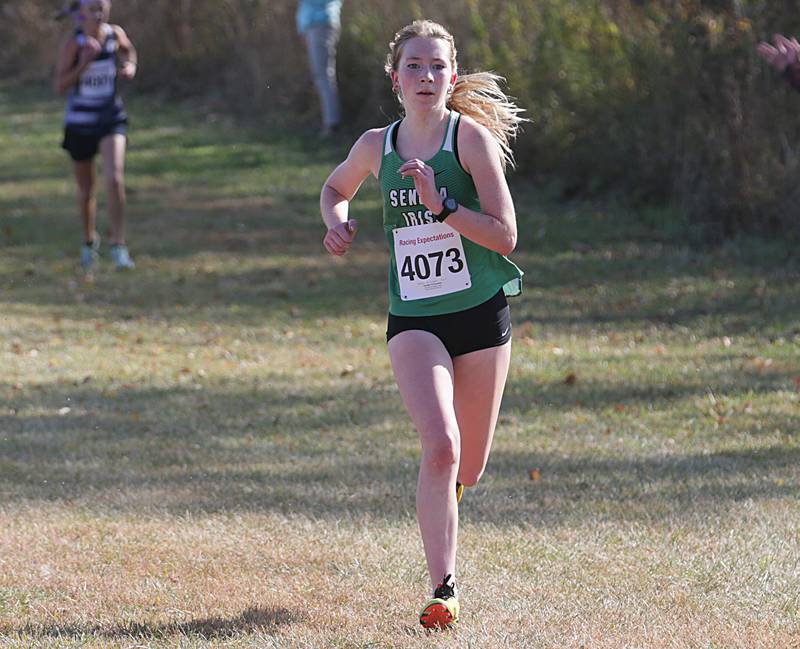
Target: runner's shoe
[(90, 254), (121, 258), (459, 491), (441, 611)]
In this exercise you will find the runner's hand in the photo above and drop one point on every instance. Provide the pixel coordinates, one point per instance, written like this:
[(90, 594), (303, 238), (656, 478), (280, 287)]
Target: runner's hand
[(424, 182), (338, 239), (127, 70), (89, 51), (783, 53)]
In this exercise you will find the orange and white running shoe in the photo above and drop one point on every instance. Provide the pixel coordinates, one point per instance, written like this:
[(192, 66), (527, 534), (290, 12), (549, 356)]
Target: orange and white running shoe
[(442, 610)]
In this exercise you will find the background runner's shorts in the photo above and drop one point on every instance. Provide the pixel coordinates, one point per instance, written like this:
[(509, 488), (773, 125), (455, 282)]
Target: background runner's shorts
[(82, 146), (481, 327)]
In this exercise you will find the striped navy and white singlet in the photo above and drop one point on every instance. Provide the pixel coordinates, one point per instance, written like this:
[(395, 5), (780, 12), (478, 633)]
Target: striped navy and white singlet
[(93, 104)]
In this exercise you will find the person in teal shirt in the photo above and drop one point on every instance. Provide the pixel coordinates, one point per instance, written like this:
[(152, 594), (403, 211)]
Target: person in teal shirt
[(319, 23)]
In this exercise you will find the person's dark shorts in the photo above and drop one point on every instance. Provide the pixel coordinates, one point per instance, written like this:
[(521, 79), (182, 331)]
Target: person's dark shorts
[(82, 146), (481, 327)]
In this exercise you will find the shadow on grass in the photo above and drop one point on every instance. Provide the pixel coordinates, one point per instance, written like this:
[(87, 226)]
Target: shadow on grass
[(252, 620), (651, 489), (293, 268), (346, 452), (529, 396), (202, 292)]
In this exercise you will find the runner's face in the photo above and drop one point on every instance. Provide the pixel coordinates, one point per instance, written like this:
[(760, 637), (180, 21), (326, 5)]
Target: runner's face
[(424, 73), (95, 12)]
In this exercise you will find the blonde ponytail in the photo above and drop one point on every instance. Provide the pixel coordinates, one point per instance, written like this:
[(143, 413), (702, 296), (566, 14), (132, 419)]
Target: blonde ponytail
[(477, 95)]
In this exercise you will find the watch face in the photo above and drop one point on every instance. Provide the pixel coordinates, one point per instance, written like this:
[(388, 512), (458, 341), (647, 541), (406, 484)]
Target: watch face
[(450, 203)]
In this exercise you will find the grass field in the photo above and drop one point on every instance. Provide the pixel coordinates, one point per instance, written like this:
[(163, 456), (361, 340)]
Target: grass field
[(210, 451)]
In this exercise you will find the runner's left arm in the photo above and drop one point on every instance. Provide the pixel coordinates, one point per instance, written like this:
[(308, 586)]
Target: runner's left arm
[(130, 58), (495, 227)]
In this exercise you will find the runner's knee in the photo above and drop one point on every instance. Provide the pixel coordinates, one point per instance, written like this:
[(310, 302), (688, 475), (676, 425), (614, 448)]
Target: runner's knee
[(115, 182), (86, 194), (441, 451)]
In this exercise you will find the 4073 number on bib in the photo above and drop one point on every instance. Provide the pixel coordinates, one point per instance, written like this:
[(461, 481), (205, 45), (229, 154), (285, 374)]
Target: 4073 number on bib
[(430, 261)]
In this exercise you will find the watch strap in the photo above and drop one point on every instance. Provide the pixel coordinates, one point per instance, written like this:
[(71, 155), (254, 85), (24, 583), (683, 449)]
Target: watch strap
[(446, 211)]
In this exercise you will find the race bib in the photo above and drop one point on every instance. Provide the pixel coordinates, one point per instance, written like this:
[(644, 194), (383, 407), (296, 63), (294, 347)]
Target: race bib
[(430, 261), (97, 82)]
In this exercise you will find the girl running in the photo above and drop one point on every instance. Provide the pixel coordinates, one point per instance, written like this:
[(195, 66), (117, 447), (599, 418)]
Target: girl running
[(90, 61), (449, 220)]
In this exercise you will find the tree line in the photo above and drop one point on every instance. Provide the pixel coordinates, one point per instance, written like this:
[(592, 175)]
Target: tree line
[(662, 102)]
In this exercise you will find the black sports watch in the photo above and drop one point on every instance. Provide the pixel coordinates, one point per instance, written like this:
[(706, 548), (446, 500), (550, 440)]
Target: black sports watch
[(449, 205)]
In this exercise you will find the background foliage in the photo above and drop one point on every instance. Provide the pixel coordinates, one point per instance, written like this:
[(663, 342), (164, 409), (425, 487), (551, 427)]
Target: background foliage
[(662, 102)]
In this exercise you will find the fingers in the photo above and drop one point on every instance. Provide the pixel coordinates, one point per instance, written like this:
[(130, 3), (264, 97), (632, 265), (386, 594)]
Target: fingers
[(415, 167), (419, 172), (338, 239), (335, 245), (92, 44), (128, 70), (781, 42), (767, 52)]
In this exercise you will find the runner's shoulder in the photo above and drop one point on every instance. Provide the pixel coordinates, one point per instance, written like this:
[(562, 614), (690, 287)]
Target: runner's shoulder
[(368, 148), (371, 140)]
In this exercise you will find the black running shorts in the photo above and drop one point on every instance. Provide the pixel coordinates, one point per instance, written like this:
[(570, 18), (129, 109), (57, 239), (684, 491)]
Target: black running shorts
[(481, 327), (82, 146)]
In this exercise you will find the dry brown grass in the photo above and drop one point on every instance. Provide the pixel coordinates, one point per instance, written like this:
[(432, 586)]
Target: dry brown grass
[(271, 580)]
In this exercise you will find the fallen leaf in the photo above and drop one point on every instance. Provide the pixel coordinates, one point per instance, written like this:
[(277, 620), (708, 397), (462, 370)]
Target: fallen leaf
[(535, 475), (619, 407), (761, 364)]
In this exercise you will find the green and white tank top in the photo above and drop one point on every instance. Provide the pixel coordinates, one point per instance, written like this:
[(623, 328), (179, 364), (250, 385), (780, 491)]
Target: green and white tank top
[(433, 269)]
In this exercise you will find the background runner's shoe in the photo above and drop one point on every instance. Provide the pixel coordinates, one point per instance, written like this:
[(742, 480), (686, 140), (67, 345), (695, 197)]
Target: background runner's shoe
[(121, 258), (441, 611), (459, 491), (89, 254)]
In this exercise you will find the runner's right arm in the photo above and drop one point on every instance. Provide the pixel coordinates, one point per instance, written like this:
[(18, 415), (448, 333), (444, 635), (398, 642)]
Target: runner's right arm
[(342, 185), (67, 70)]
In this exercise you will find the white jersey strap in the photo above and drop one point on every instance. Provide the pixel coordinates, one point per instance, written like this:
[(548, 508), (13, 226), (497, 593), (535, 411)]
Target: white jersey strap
[(451, 129), (388, 147)]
